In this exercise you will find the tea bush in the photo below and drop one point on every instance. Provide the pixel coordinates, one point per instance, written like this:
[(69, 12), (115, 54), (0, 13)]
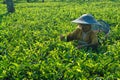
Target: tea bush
[(30, 48)]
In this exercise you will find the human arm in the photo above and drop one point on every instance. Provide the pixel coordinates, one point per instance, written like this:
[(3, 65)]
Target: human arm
[(71, 36)]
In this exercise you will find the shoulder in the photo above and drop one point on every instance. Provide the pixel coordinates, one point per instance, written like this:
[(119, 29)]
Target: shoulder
[(78, 29), (92, 33)]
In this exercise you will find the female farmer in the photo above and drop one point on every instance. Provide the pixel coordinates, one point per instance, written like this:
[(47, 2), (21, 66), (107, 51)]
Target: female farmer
[(83, 33)]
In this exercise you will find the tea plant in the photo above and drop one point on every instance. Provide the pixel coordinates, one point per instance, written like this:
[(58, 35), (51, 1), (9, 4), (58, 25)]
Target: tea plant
[(30, 48)]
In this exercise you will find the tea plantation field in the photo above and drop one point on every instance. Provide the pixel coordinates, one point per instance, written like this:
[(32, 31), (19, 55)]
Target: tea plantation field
[(30, 48)]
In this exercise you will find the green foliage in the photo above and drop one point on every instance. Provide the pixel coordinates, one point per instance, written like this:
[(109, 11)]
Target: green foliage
[(30, 48)]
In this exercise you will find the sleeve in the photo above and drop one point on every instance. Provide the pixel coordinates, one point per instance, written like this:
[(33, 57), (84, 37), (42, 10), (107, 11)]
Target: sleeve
[(73, 35), (94, 39)]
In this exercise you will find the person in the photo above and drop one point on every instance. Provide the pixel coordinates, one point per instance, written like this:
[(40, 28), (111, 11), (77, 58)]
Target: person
[(84, 34)]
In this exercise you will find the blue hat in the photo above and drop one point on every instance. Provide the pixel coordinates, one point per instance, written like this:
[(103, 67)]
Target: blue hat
[(86, 19)]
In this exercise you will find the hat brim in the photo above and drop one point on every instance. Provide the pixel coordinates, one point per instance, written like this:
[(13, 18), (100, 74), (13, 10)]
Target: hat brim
[(86, 22)]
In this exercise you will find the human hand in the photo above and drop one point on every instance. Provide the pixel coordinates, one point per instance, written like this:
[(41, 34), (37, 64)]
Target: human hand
[(62, 38)]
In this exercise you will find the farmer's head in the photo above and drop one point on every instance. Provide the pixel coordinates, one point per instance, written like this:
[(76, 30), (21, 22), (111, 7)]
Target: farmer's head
[(85, 21), (85, 27)]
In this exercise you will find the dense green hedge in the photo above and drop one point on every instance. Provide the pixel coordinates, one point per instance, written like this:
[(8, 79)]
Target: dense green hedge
[(30, 48)]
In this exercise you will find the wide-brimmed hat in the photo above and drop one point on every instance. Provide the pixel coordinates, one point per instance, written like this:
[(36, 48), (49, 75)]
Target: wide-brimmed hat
[(86, 19)]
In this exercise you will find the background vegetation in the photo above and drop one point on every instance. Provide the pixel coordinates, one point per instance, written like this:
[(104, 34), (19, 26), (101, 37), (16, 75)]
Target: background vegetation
[(30, 48)]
